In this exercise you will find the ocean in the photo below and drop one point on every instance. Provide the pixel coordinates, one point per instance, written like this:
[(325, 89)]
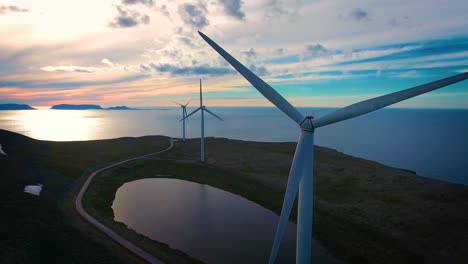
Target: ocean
[(431, 142)]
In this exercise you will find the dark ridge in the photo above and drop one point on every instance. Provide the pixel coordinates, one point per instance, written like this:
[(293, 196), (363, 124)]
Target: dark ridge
[(15, 107), (76, 107), (120, 107)]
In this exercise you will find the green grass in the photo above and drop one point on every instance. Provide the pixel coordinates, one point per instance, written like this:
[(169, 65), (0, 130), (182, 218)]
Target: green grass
[(46, 228), (364, 212), (99, 198)]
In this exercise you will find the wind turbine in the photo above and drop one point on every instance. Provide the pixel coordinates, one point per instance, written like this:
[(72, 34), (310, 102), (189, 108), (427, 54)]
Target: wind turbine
[(184, 114), (301, 172), (202, 136)]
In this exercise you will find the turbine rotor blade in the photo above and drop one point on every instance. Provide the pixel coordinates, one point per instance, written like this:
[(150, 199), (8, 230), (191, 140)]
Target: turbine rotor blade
[(266, 90), (295, 175), (177, 103), (185, 114), (194, 111), (188, 102), (213, 114), (376, 103)]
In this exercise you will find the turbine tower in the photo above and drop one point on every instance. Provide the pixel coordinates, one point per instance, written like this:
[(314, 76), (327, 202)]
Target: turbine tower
[(202, 135), (184, 114), (301, 173)]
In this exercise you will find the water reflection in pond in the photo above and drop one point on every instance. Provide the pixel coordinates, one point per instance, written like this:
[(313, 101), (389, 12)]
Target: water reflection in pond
[(207, 223)]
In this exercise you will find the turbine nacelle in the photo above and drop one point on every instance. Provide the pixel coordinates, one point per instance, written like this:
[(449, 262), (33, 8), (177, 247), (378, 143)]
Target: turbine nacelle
[(307, 124)]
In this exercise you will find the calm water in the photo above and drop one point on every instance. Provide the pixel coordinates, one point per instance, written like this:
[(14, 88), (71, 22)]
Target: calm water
[(434, 143), (208, 223)]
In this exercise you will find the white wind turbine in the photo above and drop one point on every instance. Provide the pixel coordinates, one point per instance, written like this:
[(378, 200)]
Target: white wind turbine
[(301, 173), (202, 136), (184, 114)]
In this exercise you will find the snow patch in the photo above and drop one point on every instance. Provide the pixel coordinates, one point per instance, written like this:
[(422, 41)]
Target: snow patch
[(33, 189), (1, 150)]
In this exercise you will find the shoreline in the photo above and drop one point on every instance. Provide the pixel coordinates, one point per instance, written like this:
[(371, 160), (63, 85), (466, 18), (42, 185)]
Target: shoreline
[(345, 202), (413, 171), (421, 147), (380, 214), (80, 209)]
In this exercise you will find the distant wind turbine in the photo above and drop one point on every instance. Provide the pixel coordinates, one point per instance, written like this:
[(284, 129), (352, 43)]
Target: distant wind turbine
[(184, 114), (301, 173), (202, 136)]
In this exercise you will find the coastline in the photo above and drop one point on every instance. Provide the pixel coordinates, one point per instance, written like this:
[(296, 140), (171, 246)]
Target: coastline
[(369, 220), (380, 214)]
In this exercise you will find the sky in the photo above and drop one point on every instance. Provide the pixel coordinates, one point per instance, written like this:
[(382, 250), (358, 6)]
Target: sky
[(147, 53)]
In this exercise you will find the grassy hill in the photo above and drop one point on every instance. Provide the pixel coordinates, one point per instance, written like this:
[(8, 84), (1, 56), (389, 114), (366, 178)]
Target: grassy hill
[(45, 228), (365, 212)]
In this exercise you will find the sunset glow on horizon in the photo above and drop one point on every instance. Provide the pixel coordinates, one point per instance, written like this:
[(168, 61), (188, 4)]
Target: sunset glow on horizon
[(145, 53)]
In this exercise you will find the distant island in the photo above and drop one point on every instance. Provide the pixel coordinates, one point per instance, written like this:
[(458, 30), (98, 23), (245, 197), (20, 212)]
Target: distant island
[(15, 107), (67, 107), (88, 107), (76, 107), (121, 107)]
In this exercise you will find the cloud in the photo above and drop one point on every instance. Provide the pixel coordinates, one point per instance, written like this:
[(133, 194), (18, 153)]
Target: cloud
[(144, 68), (250, 53), (11, 8), (163, 9), (359, 15), (134, 2), (314, 51), (61, 85), (107, 62), (403, 21), (378, 73), (196, 70), (129, 18), (240, 98), (193, 15), (381, 68), (408, 74), (260, 70), (69, 68), (278, 8), (186, 41), (233, 8), (279, 51)]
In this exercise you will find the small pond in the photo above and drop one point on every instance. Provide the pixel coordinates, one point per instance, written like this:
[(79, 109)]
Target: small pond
[(207, 223)]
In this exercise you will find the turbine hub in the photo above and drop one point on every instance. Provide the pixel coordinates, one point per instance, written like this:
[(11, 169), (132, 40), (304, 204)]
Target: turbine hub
[(307, 124)]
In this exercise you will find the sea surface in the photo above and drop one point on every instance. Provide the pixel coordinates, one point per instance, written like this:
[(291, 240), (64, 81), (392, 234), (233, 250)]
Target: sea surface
[(433, 143)]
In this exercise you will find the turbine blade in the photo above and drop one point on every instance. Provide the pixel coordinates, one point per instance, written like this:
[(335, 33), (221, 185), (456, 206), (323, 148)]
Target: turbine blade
[(177, 103), (376, 103), (213, 114), (266, 90), (194, 111), (295, 176), (185, 114), (188, 102)]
